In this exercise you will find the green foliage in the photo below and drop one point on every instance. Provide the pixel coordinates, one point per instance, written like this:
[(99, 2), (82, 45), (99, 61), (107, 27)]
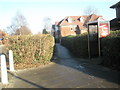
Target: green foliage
[(31, 49), (111, 50), (76, 44)]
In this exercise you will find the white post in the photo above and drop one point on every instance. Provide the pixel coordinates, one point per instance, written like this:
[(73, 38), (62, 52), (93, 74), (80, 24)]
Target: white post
[(11, 63), (4, 76)]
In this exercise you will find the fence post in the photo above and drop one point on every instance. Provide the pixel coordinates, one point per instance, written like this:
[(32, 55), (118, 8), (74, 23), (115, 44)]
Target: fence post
[(11, 63), (4, 76)]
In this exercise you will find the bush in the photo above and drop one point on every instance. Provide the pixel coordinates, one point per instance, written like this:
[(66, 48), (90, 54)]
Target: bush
[(31, 50), (111, 50)]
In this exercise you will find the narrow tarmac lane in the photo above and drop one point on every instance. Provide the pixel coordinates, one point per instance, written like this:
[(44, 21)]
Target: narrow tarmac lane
[(66, 72)]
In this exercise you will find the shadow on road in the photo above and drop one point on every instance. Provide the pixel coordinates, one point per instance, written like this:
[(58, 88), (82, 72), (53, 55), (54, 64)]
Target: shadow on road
[(64, 57), (33, 84)]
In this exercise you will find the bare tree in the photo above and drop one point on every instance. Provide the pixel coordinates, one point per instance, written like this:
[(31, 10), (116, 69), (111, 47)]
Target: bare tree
[(90, 10), (23, 31), (19, 24), (47, 24), (19, 20)]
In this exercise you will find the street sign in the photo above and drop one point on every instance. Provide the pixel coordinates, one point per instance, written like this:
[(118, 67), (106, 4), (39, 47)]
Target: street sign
[(104, 29)]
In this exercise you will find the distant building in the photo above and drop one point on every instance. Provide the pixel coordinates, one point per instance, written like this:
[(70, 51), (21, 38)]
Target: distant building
[(73, 25), (2, 34), (56, 31), (115, 23)]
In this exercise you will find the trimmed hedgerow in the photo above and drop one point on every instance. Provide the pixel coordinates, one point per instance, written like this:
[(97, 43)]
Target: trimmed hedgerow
[(110, 47), (31, 50), (76, 44), (111, 50)]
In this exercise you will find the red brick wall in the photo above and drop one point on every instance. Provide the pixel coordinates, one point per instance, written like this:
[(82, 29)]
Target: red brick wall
[(65, 31)]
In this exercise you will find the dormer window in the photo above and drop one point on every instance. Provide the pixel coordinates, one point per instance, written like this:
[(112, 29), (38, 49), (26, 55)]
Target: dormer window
[(81, 19), (69, 20)]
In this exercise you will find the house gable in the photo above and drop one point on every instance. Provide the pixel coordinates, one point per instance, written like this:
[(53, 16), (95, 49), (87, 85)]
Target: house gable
[(115, 23), (116, 5)]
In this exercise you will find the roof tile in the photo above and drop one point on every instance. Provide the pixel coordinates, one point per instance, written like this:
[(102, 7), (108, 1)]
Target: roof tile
[(76, 20)]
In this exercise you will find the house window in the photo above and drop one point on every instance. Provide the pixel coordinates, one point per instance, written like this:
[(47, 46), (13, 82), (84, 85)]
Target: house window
[(81, 19), (70, 20)]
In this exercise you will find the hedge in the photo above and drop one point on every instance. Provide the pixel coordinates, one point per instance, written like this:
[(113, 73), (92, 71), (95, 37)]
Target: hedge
[(31, 50), (111, 50), (110, 47), (76, 44)]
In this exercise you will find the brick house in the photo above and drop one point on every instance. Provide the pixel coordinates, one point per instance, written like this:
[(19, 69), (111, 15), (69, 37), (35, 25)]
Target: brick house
[(115, 23), (73, 25)]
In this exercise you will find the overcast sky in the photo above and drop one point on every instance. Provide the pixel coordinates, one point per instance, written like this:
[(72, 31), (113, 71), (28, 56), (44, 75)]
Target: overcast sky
[(36, 10)]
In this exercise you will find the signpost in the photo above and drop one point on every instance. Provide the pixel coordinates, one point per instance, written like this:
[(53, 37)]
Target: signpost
[(103, 30)]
